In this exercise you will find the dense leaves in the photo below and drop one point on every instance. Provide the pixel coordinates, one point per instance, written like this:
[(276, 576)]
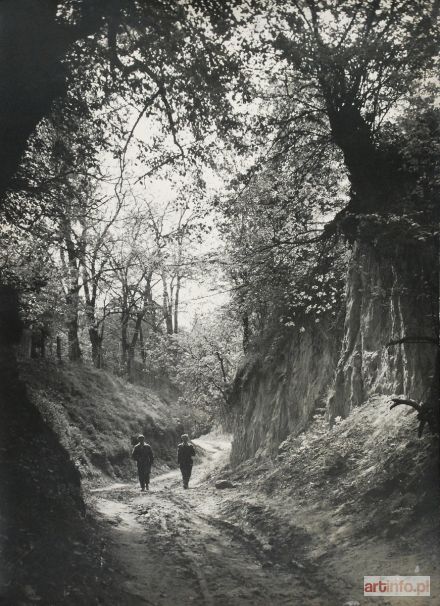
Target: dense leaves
[(319, 120)]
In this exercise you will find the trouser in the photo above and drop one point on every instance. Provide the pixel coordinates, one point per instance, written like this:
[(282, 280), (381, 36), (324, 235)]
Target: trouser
[(186, 469), (144, 474)]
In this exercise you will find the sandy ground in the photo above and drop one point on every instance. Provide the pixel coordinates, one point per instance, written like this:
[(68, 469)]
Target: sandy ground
[(241, 545), (173, 545)]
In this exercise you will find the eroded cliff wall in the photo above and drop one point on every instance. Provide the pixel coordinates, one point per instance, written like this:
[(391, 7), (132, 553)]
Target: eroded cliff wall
[(278, 389), (389, 296)]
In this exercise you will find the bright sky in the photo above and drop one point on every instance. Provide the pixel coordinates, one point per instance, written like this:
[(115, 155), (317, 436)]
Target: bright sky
[(201, 296), (207, 294), (210, 290)]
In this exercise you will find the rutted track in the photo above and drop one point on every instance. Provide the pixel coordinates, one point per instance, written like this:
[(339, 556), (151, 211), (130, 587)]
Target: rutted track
[(174, 546)]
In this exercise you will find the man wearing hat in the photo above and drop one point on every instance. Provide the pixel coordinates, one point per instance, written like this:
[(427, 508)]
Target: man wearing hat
[(144, 457), (185, 453)]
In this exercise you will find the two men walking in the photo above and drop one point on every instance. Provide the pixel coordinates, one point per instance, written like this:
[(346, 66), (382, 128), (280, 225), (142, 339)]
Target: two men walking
[(144, 457)]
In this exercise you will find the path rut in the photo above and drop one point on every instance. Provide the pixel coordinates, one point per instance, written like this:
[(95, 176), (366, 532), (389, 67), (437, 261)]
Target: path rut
[(175, 546)]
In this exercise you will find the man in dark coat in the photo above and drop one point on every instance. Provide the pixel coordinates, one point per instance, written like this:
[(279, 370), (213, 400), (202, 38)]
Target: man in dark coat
[(144, 457), (185, 453)]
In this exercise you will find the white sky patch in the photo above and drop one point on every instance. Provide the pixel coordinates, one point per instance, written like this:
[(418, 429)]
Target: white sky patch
[(209, 291)]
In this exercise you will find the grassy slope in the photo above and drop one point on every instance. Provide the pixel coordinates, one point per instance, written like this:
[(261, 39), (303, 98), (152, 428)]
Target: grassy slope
[(62, 425), (49, 547), (359, 499), (95, 415)]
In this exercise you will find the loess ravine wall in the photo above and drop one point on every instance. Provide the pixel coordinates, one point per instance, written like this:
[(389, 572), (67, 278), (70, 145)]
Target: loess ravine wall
[(388, 297)]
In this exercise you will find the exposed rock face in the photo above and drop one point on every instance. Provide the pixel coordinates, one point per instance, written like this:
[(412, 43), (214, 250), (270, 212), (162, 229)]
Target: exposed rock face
[(276, 393), (387, 297)]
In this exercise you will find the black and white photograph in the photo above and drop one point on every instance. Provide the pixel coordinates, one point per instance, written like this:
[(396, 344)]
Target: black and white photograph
[(219, 302)]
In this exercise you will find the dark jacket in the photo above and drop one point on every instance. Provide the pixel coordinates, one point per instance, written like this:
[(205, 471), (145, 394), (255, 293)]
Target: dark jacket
[(143, 454), (185, 453)]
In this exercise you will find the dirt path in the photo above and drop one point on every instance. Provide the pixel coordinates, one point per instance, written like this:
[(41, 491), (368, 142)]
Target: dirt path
[(175, 546)]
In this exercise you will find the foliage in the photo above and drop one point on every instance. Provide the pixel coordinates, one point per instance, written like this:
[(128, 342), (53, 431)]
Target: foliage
[(207, 358), (283, 267), (143, 93), (345, 113), (27, 266), (321, 116)]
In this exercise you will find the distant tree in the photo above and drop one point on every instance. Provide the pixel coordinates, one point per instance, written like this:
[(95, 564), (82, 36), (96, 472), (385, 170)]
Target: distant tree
[(175, 228), (163, 60), (149, 257), (59, 177), (205, 362), (132, 260)]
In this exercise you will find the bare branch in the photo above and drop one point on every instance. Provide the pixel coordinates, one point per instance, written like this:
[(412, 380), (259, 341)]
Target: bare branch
[(407, 402)]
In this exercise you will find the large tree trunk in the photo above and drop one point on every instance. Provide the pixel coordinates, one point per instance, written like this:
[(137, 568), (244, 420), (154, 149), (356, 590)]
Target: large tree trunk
[(31, 77), (72, 316), (378, 181), (31, 46), (386, 283)]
